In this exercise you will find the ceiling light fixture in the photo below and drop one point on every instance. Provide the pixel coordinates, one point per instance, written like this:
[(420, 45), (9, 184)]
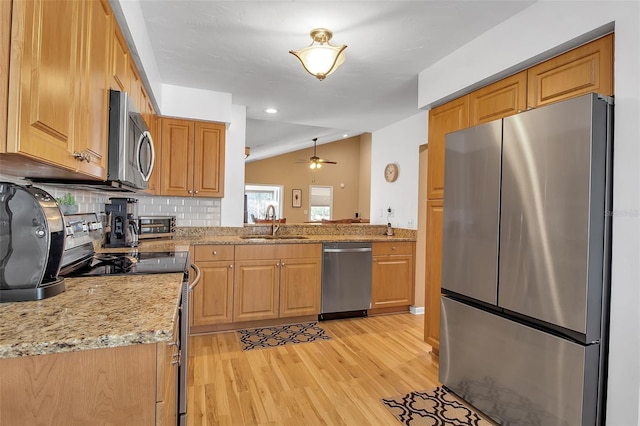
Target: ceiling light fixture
[(247, 151), (271, 111), (320, 59)]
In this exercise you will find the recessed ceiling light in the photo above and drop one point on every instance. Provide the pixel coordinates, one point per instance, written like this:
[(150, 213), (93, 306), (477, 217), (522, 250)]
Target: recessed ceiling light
[(345, 135), (271, 110)]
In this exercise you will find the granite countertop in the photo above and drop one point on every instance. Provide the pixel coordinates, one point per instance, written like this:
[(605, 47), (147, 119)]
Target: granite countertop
[(93, 313)]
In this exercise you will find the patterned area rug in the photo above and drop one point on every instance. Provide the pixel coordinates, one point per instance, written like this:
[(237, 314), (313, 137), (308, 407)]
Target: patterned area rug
[(434, 407), (268, 337)]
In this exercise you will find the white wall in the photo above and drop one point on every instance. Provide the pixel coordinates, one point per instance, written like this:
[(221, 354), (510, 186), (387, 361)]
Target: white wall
[(398, 143), (198, 104), (233, 201), (545, 26)]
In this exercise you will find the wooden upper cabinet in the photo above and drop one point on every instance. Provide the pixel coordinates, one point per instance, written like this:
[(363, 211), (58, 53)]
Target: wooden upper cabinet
[(585, 69), (208, 179), (446, 118), (135, 85), (433, 269), (43, 85), (176, 176), (119, 60), (498, 100), (94, 94), (192, 158)]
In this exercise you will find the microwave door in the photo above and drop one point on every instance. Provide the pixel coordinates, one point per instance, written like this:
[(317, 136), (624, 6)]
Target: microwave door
[(145, 155)]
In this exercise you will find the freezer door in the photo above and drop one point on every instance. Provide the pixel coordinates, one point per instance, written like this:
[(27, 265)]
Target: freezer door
[(471, 211), (515, 374), (553, 214)]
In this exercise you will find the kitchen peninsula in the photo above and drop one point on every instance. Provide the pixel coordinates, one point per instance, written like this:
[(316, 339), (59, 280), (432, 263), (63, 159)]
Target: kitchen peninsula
[(117, 333)]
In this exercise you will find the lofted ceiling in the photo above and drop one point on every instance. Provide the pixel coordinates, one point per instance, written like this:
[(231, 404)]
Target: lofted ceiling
[(242, 48)]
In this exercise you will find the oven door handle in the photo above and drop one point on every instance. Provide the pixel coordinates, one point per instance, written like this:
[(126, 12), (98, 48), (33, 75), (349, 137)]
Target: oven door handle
[(196, 280)]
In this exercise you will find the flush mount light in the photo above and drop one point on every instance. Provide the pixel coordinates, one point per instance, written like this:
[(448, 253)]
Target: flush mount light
[(271, 111), (320, 59)]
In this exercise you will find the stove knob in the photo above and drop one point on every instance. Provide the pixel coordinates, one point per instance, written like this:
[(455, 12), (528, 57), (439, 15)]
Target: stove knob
[(40, 232), (69, 231)]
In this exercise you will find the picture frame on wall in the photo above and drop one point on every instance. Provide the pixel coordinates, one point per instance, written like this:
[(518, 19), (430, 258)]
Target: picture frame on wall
[(296, 198)]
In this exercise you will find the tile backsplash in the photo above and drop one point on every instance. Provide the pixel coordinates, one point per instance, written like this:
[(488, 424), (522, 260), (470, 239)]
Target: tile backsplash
[(188, 211)]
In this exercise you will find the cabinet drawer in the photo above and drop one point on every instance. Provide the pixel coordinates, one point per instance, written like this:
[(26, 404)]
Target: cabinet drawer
[(277, 251), (213, 252), (401, 247)]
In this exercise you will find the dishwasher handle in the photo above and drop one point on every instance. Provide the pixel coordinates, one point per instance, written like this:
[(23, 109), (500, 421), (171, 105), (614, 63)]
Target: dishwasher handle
[(347, 250)]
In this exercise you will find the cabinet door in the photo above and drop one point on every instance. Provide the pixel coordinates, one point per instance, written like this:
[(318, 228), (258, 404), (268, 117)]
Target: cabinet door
[(498, 100), (300, 287), (585, 69), (167, 381), (212, 299), (433, 268), (392, 281), (119, 60), (44, 80), (177, 157), (256, 290), (5, 46), (446, 118), (94, 95), (208, 178)]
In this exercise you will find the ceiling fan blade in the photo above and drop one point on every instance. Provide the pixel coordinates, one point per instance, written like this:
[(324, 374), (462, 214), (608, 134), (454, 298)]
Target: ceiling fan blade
[(327, 161)]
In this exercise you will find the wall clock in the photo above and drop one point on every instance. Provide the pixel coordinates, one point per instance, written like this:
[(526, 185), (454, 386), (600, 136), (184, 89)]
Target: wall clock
[(391, 172)]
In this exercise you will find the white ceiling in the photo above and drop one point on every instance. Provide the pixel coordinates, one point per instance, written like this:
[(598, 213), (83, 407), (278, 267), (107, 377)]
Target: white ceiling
[(241, 47)]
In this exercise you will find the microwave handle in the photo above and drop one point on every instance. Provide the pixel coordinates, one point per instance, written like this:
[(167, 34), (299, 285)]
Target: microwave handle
[(143, 136)]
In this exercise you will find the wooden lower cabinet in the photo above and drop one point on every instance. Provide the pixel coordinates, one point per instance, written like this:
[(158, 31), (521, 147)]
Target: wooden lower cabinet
[(393, 280), (277, 281), (100, 386), (167, 382), (212, 298), (300, 283), (433, 268), (256, 290)]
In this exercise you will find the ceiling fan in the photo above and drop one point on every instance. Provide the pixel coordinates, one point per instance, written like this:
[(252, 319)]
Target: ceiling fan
[(314, 161)]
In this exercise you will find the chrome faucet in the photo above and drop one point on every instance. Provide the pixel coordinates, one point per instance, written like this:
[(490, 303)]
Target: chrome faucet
[(274, 226)]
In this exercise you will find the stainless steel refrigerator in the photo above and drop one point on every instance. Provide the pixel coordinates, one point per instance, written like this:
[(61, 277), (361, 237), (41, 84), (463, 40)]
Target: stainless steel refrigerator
[(525, 264)]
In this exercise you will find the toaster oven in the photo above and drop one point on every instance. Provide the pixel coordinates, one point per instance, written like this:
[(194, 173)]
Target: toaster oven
[(156, 226)]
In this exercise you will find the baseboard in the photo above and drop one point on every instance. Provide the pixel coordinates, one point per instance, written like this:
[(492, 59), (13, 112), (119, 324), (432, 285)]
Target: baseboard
[(416, 310)]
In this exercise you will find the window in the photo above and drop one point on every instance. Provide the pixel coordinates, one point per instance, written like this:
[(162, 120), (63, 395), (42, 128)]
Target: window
[(320, 202), (259, 197)]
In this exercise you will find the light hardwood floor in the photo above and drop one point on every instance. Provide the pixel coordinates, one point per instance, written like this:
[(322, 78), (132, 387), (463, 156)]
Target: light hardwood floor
[(336, 382)]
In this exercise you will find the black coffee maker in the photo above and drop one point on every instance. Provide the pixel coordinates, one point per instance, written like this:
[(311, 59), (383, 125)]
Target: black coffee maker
[(122, 216)]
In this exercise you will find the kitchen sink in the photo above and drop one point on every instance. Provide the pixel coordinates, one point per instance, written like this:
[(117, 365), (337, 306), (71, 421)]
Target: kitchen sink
[(272, 237)]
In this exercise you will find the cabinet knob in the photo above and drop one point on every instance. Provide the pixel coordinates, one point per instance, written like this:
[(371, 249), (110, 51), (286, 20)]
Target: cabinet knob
[(190, 191), (197, 191), (282, 264), (393, 248), (82, 156), (231, 266), (277, 264), (215, 253)]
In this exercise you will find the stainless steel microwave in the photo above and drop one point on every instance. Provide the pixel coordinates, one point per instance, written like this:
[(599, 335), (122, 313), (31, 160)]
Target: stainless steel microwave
[(131, 151), (156, 226)]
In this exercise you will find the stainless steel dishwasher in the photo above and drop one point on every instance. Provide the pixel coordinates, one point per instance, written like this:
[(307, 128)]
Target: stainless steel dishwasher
[(346, 280)]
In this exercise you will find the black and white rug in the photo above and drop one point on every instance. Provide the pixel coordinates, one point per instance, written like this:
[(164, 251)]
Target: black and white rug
[(268, 337), (432, 408)]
